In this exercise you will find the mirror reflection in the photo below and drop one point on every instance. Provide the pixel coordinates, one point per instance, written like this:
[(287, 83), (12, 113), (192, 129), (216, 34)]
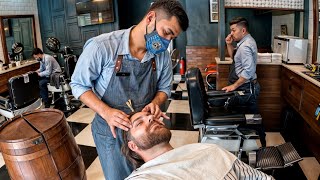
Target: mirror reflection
[(19, 37)]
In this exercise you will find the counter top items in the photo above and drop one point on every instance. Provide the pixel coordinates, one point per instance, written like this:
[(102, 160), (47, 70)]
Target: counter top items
[(264, 57), (275, 60), (23, 63), (293, 49)]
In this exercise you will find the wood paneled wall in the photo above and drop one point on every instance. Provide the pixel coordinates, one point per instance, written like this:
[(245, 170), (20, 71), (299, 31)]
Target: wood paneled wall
[(58, 18)]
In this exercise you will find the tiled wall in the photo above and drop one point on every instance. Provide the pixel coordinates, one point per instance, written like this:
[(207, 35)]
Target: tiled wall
[(20, 7), (288, 20), (277, 21), (200, 56)]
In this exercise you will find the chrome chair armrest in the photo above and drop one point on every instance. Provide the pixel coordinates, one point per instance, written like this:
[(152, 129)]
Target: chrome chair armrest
[(4, 102)]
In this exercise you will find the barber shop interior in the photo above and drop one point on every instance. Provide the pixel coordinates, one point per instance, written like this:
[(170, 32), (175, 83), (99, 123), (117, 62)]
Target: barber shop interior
[(159, 89)]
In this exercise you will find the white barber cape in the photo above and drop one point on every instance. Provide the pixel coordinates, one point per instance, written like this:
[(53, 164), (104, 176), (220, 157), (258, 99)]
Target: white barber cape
[(196, 161)]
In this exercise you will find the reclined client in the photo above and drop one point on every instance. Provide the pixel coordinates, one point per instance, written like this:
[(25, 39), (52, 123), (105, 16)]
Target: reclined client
[(147, 146)]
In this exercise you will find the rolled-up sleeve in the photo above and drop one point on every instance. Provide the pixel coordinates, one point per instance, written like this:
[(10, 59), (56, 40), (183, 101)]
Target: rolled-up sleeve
[(165, 76), (88, 69), (48, 69), (248, 62)]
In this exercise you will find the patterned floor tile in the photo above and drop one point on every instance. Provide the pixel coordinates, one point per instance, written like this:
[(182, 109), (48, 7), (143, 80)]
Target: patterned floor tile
[(89, 154), (94, 171), (83, 115), (179, 106), (85, 137), (76, 128)]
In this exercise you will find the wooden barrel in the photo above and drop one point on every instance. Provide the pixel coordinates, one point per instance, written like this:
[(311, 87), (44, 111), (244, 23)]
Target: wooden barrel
[(40, 145)]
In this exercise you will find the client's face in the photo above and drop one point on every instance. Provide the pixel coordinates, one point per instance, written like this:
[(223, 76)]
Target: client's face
[(147, 131)]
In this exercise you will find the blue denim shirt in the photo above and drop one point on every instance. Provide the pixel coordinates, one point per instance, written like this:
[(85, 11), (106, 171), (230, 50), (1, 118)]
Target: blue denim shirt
[(246, 58), (96, 64), (48, 65)]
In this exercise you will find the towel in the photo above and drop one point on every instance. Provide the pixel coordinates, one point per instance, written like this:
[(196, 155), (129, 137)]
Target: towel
[(196, 161), (55, 80)]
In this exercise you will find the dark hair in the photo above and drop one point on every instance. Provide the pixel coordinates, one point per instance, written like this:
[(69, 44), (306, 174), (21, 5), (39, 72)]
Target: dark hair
[(240, 21), (36, 51), (132, 156), (172, 8)]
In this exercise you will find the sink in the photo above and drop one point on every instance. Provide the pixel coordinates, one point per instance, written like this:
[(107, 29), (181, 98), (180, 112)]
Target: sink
[(314, 75)]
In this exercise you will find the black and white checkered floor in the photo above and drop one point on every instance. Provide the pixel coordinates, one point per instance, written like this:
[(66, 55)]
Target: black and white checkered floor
[(182, 133)]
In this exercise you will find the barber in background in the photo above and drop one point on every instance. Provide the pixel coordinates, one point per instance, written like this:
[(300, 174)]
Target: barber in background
[(48, 66), (243, 75), (130, 64)]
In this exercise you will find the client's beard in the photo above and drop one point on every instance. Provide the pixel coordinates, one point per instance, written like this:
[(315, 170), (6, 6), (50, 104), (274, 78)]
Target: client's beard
[(151, 139)]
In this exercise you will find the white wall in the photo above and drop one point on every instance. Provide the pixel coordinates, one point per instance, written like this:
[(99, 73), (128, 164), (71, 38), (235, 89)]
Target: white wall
[(288, 20), (20, 7)]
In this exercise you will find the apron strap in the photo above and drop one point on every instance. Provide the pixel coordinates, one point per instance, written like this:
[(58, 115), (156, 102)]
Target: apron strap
[(154, 65), (117, 67)]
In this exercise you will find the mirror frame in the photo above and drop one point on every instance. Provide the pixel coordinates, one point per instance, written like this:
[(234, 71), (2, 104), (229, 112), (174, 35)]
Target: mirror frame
[(3, 38), (315, 31)]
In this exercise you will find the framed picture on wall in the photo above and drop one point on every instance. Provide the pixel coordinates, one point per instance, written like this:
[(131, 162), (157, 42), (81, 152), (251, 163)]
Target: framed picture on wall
[(213, 10)]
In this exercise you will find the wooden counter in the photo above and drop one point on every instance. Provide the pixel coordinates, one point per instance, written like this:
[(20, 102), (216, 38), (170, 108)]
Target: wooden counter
[(5, 75)]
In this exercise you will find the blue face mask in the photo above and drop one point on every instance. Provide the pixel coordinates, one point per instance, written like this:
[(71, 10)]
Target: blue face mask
[(155, 43)]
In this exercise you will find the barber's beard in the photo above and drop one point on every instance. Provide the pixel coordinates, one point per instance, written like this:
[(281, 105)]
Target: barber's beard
[(159, 135)]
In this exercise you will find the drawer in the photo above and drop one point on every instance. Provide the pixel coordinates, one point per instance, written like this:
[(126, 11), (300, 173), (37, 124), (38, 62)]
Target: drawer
[(310, 102), (293, 77)]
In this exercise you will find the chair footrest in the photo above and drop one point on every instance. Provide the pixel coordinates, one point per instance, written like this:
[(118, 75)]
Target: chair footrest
[(277, 156), (227, 119)]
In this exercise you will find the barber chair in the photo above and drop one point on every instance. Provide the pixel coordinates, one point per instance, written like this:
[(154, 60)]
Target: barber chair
[(211, 72), (64, 88), (216, 122), (24, 95)]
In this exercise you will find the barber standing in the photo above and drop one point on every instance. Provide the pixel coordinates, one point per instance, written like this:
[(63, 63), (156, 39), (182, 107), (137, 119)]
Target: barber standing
[(130, 64), (243, 75)]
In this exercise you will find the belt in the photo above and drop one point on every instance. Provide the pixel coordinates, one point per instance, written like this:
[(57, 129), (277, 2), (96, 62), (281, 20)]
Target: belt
[(254, 81)]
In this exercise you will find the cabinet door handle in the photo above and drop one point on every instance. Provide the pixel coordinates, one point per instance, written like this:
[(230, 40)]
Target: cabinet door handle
[(291, 77)]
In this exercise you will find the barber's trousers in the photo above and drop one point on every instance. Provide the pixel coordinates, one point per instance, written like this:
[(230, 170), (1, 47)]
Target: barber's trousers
[(115, 166), (43, 85)]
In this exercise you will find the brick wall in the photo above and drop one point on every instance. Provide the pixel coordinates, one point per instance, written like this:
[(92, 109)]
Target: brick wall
[(20, 7), (200, 56)]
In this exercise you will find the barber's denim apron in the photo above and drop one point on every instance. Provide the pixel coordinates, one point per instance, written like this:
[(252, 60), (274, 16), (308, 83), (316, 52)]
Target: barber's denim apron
[(138, 82), (251, 90)]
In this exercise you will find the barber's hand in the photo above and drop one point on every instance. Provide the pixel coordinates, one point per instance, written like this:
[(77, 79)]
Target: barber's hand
[(116, 118), (229, 88), (229, 39), (155, 110)]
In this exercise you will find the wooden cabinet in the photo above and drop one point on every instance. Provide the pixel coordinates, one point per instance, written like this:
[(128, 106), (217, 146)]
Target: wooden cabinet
[(304, 97), (292, 87), (310, 102), (4, 77)]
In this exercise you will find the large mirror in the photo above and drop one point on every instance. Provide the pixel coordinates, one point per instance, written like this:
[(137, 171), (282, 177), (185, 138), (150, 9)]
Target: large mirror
[(17, 29), (316, 34)]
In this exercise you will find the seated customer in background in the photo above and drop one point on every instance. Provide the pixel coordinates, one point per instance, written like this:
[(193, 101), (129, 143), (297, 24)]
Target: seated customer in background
[(147, 146), (48, 66)]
